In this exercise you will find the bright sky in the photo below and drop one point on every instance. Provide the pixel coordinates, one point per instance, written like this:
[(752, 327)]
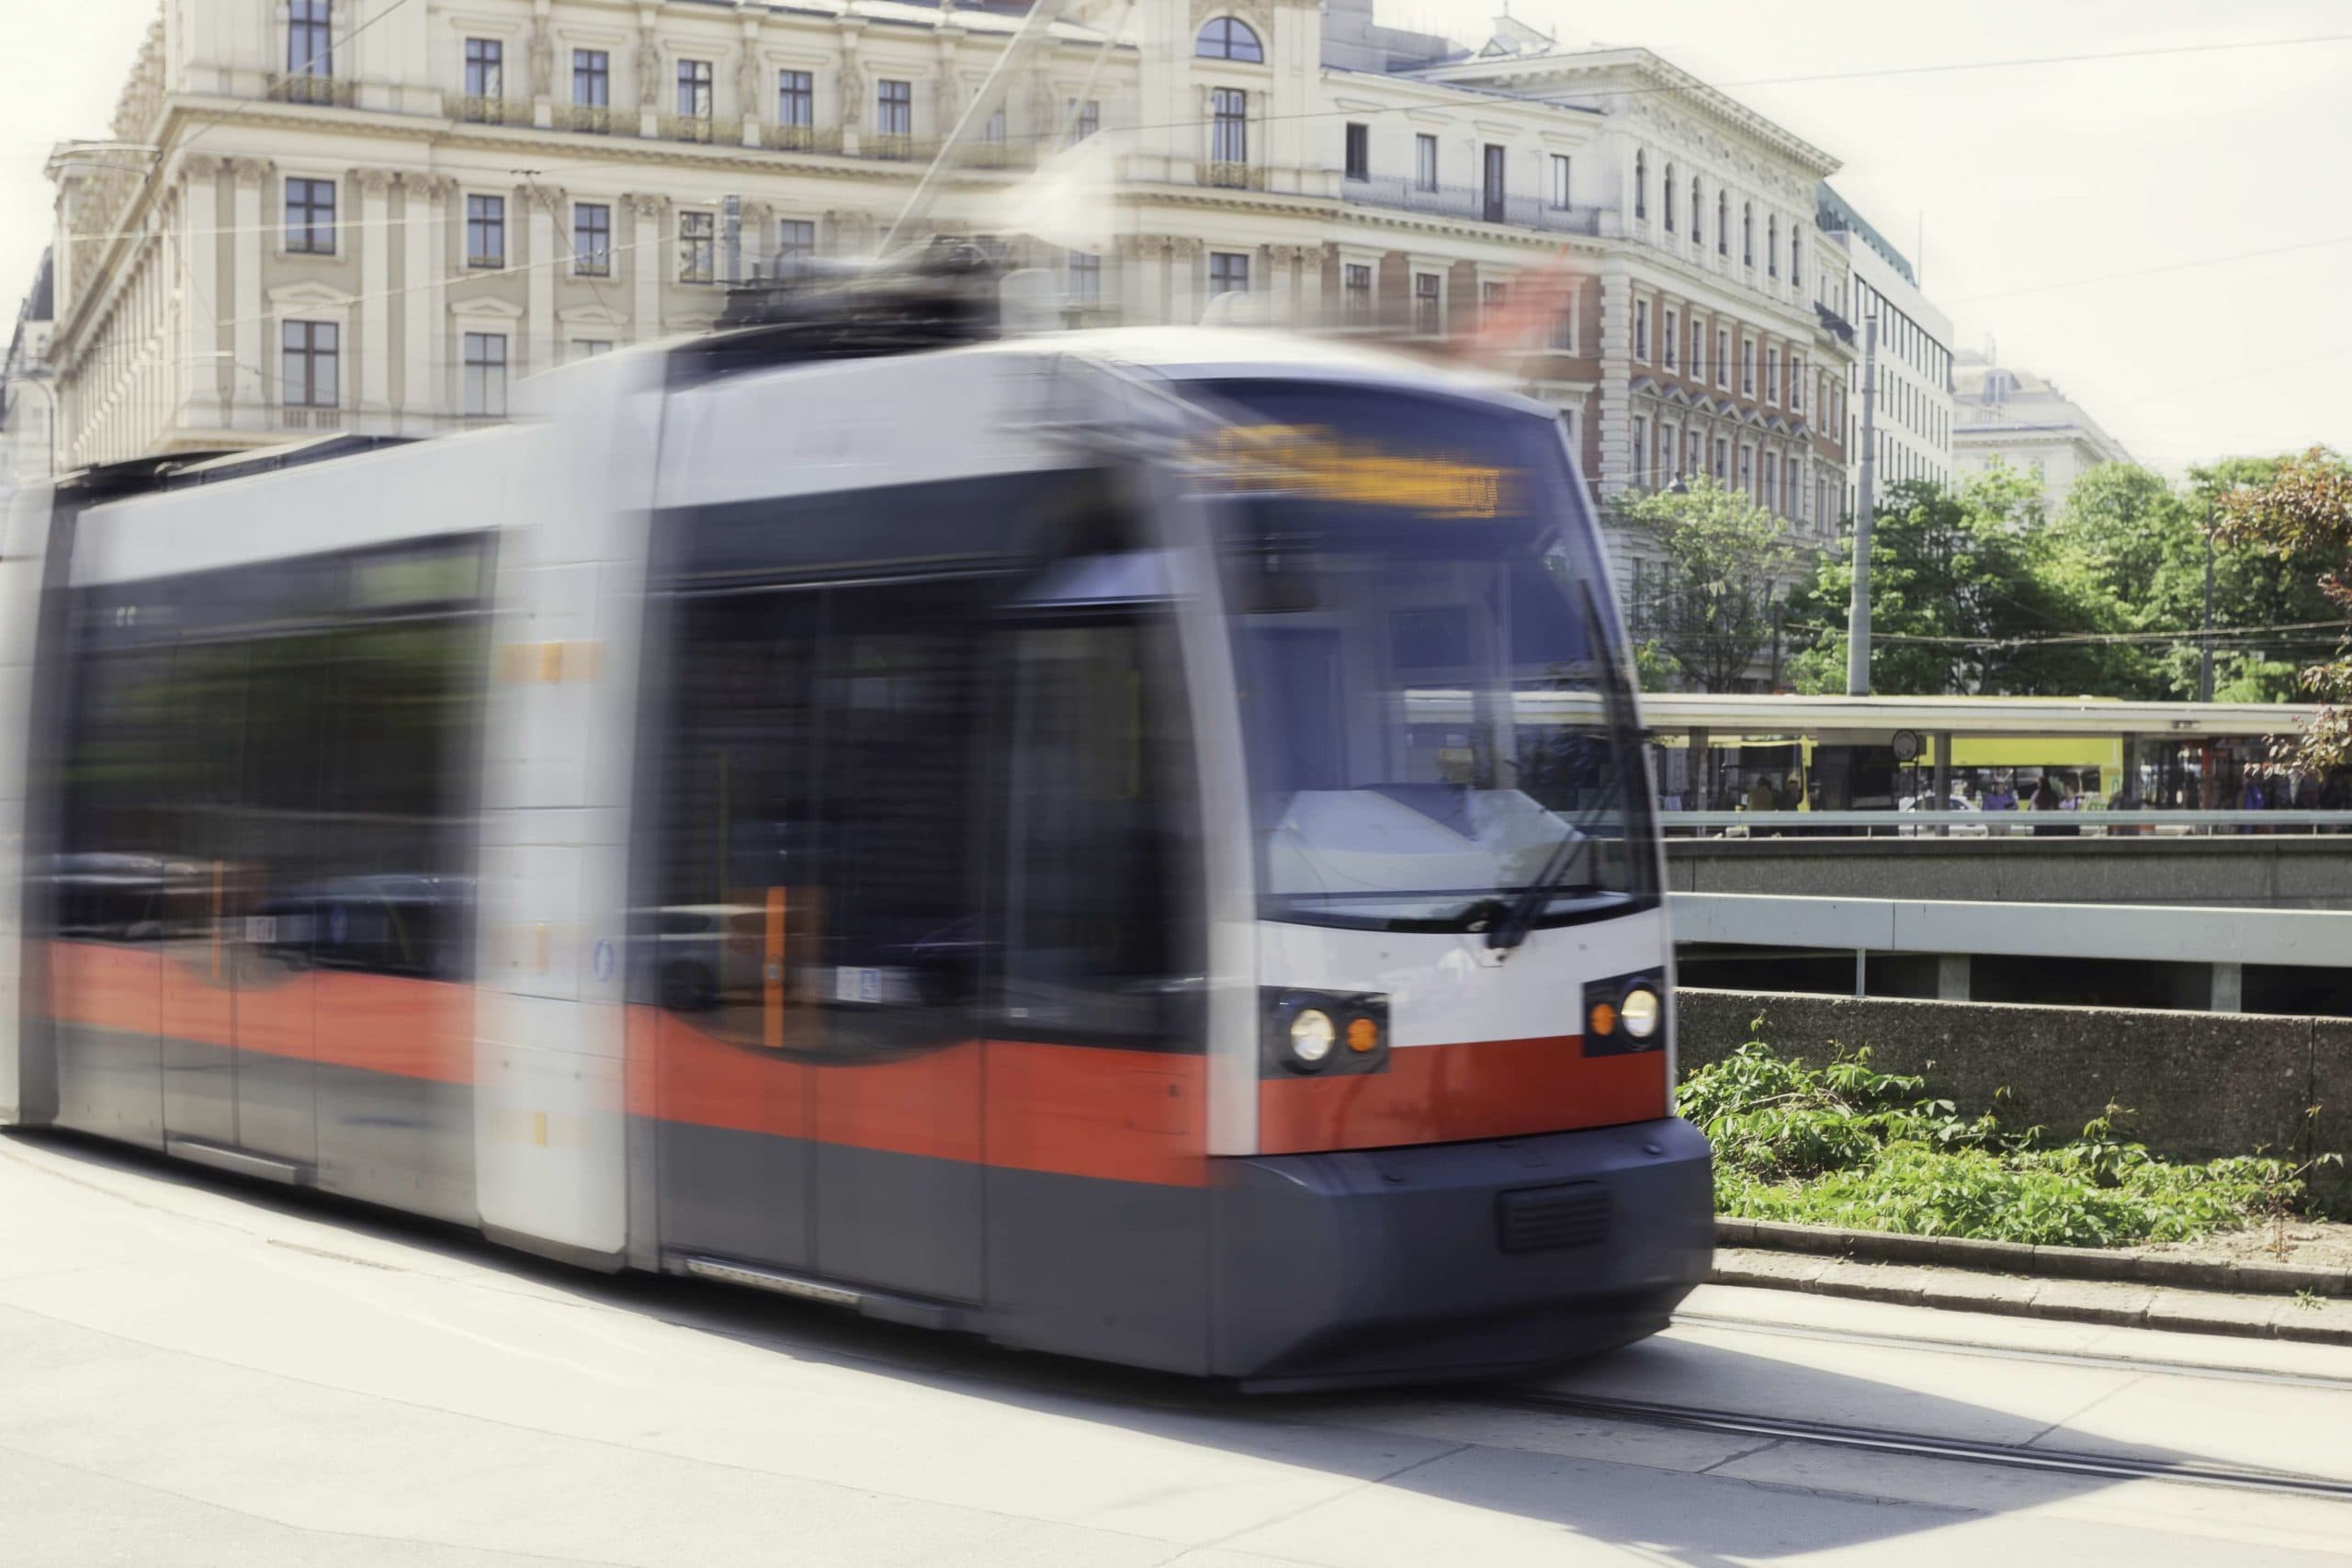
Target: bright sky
[(2025, 177)]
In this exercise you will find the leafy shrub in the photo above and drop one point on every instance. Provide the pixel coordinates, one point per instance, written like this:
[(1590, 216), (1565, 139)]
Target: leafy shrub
[(1846, 1145)]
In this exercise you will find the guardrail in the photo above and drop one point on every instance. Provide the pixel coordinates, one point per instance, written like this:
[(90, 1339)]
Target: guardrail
[(1997, 823)]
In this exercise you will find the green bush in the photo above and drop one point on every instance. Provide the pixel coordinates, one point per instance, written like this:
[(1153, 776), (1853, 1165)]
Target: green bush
[(1846, 1145)]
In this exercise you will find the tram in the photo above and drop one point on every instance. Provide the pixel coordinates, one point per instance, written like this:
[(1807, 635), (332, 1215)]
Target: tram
[(1032, 835)]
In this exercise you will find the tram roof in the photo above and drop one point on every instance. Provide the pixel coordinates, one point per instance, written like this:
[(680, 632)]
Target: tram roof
[(1855, 718), (1212, 352)]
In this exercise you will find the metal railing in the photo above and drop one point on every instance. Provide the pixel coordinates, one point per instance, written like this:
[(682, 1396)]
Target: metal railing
[(801, 138), (302, 87), (1517, 209), (701, 128), (589, 119), (1231, 176), (303, 416), (480, 110), (891, 147), (2114, 824)]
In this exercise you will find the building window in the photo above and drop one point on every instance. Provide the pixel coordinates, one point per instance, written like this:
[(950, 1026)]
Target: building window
[(485, 68), (1694, 444), (1747, 233), (1723, 223), (1641, 451), (306, 365), (1229, 273), (1668, 338), (310, 216), (796, 98), (1428, 304), (1085, 119), (592, 239), (1747, 469), (894, 109), (694, 90), (1490, 299), (1723, 357), (1698, 350), (591, 78), (1722, 459), (1747, 366), (1564, 329), (310, 38), (1772, 247), (1640, 329), (1355, 289), (993, 133), (1560, 184), (1697, 209), (1772, 481), (1229, 133), (589, 347), (485, 388), (697, 247), (1359, 163), (1669, 198), (1229, 37), (1085, 277), (1425, 163), (1771, 374), (796, 237), (1641, 185), (485, 230)]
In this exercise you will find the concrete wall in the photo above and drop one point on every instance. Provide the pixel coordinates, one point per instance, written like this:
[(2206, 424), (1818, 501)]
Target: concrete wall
[(2203, 1085), (2311, 871)]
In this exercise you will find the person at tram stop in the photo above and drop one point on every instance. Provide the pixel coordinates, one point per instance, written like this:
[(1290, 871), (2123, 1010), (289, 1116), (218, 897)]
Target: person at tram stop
[(1791, 794), (2000, 797), (1761, 796)]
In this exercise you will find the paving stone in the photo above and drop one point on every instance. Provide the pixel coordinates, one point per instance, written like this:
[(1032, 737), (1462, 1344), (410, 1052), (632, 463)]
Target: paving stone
[(1967, 1292), (2209, 1312), (1789, 1271), (1874, 1282), (2321, 1321)]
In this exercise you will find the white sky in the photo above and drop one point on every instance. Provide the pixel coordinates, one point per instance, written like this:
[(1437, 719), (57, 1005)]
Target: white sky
[(2025, 177)]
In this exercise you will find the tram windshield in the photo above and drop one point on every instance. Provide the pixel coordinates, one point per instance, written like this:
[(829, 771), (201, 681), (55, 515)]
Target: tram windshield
[(1434, 719)]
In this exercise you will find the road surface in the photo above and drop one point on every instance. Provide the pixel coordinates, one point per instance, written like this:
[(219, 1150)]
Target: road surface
[(200, 1371)]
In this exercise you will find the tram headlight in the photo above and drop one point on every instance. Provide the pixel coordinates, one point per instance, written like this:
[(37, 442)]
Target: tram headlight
[(1312, 1035), (1638, 1012)]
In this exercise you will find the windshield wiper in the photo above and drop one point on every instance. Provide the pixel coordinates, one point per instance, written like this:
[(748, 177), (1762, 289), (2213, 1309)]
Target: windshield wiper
[(1512, 931)]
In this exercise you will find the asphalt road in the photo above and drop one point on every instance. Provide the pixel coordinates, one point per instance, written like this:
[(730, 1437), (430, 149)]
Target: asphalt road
[(200, 1371)]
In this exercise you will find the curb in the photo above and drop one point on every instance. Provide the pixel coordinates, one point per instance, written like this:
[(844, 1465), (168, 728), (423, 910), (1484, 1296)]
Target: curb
[(2112, 1304), (2042, 1262)]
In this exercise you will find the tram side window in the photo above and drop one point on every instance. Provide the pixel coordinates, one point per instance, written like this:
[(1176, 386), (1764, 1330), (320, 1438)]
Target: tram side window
[(394, 891), (822, 784), (117, 835), (1093, 890)]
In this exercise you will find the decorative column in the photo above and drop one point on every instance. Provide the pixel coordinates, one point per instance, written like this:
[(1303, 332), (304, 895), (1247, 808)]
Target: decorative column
[(1616, 379), (1187, 288), (749, 84), (647, 63), (425, 256), (200, 306), (375, 344), (542, 67), (248, 409), (851, 84), (539, 264), (646, 263)]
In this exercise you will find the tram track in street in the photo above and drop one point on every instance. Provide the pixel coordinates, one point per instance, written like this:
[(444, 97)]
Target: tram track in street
[(1915, 1445), (2089, 1359)]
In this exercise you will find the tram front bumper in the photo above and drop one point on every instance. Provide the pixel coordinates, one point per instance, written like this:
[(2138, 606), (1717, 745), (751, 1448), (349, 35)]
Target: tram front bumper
[(1457, 1259)]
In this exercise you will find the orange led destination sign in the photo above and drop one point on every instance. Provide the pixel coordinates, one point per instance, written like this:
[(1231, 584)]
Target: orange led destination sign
[(1311, 460)]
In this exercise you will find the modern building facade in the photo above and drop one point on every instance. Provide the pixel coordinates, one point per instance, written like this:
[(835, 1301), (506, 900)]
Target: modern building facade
[(2018, 418), (305, 223), (1914, 417)]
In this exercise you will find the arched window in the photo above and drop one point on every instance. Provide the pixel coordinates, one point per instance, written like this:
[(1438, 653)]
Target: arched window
[(1229, 37), (1669, 198), (1723, 223), (1696, 208), (1797, 256), (1747, 233), (1641, 186), (1772, 247)]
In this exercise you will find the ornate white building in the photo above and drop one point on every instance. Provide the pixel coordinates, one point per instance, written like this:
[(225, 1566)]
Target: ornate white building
[(316, 216), (2020, 419)]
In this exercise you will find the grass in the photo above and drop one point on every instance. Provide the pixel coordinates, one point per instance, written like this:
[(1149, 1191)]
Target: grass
[(1843, 1144)]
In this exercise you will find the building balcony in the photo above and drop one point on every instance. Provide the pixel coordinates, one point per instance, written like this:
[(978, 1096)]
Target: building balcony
[(896, 147), (801, 138), (700, 128), (480, 110), (1231, 176), (301, 87), (295, 416), (999, 155), (588, 119), (1517, 211)]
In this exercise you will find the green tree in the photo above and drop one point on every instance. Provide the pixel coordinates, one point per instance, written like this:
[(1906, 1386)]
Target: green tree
[(1711, 619), (1967, 591), (2301, 513)]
